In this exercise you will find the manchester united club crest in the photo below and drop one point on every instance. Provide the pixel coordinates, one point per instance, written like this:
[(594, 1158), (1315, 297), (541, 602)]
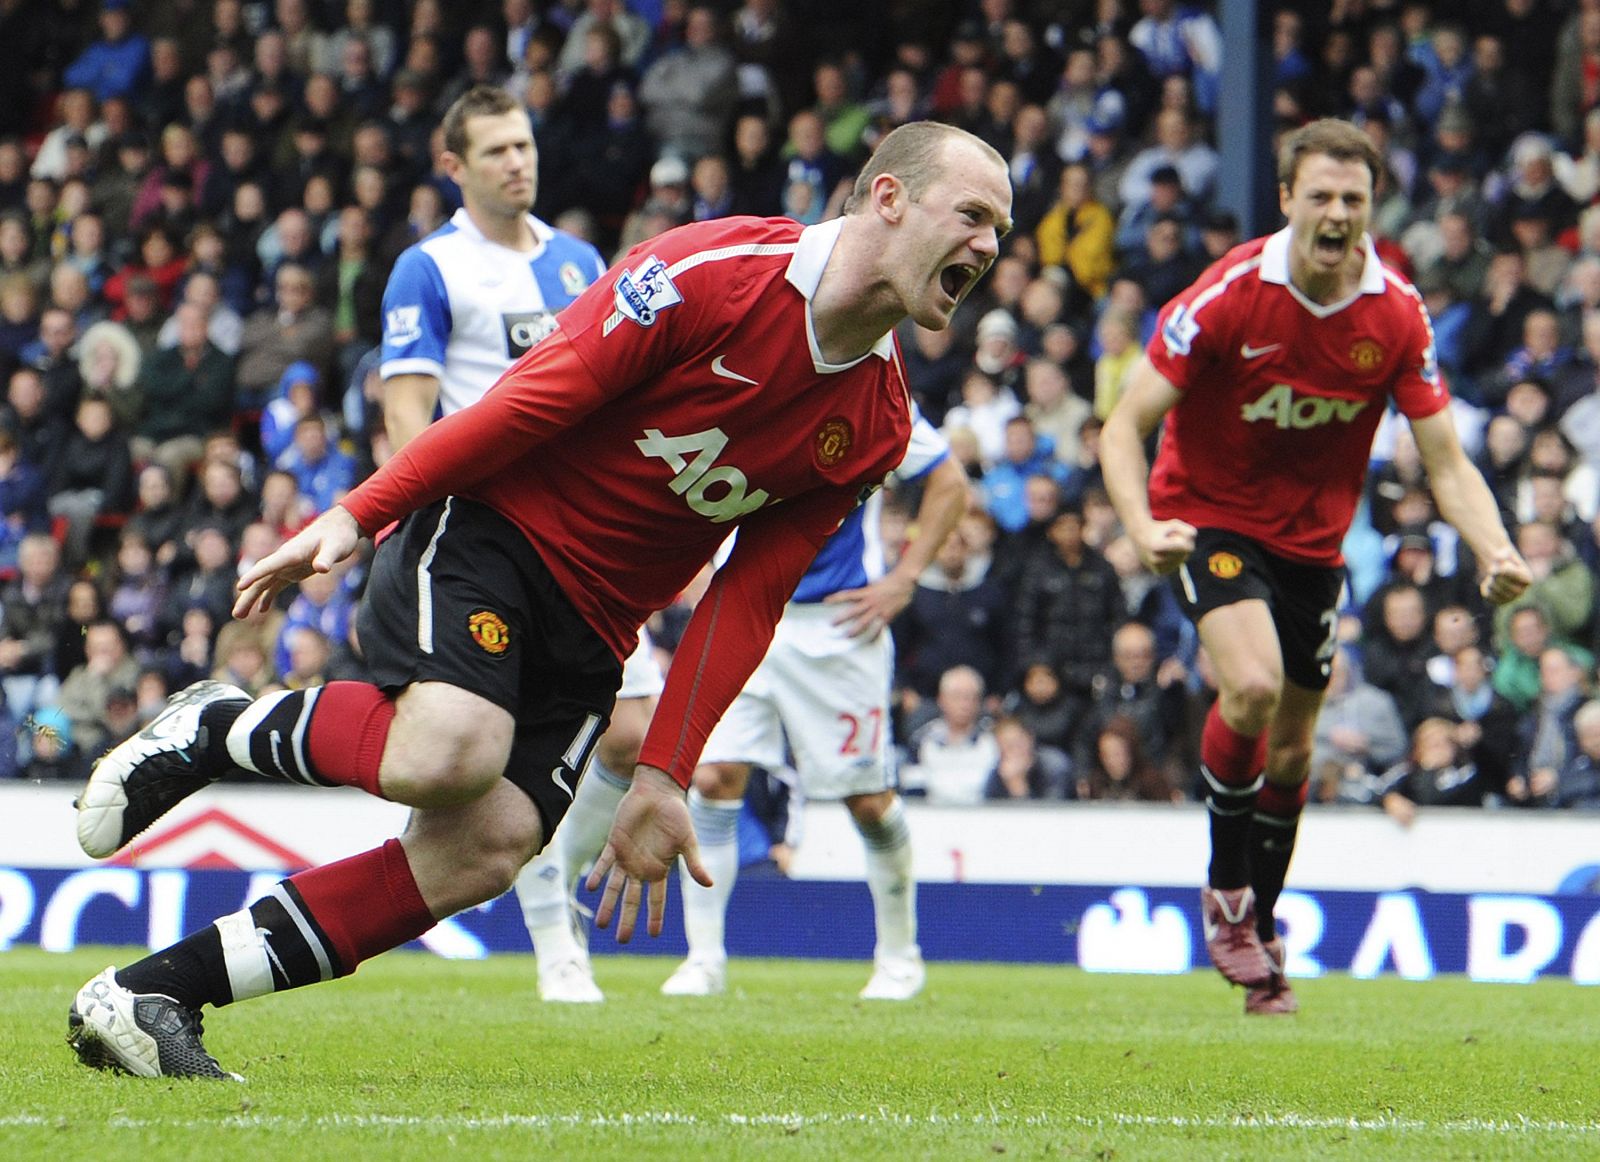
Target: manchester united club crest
[(489, 631), (833, 440), (1366, 355), (1224, 565)]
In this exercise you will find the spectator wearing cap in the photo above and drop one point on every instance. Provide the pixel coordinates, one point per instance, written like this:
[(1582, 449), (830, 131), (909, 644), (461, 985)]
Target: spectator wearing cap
[(1219, 233), (117, 64), (1165, 200), (310, 154), (1546, 261), (189, 391), (689, 96), (1176, 147), (76, 110)]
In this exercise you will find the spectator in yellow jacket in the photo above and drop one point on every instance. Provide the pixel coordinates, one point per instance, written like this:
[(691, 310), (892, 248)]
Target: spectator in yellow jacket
[(1077, 232)]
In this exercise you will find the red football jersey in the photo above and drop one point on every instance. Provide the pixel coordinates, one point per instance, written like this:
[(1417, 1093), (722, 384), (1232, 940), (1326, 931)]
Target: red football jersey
[(1281, 397), (682, 395)]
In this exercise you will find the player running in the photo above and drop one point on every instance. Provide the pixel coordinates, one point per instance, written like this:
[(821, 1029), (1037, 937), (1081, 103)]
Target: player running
[(1272, 372)]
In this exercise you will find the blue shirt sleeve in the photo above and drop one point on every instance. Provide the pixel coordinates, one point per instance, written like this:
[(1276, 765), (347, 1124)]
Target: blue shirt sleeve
[(416, 317)]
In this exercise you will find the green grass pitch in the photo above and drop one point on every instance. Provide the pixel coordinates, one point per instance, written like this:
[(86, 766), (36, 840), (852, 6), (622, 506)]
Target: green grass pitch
[(416, 1057)]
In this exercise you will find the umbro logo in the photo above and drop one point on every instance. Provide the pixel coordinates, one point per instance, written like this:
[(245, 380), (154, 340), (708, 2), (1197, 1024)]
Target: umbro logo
[(1248, 352)]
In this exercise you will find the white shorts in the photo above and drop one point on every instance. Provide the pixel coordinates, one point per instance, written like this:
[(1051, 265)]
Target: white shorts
[(641, 673), (828, 693)]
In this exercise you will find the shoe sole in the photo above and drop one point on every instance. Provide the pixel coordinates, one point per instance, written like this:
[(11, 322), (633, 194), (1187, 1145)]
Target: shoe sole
[(103, 805)]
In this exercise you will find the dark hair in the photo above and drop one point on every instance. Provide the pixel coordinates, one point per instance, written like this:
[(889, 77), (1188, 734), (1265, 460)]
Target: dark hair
[(478, 101), (1331, 137)]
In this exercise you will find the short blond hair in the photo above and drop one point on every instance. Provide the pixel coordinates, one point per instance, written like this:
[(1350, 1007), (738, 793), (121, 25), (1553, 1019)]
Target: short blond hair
[(912, 152)]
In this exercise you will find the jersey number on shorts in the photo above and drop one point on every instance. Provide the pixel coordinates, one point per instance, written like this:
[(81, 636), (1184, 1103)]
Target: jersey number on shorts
[(853, 732)]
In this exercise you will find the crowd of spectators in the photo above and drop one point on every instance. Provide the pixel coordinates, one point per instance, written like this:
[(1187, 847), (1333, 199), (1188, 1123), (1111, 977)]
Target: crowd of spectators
[(200, 201)]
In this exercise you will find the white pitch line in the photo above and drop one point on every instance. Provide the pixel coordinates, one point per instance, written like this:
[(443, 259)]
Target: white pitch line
[(1492, 1126)]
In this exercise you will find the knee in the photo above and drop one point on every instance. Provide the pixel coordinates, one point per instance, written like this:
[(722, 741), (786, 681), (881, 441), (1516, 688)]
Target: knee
[(1251, 702), (452, 768), (869, 810), (488, 867), (721, 780)]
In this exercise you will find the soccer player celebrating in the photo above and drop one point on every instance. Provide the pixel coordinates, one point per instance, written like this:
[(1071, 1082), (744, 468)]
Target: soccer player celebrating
[(461, 306), (541, 526), (1272, 372)]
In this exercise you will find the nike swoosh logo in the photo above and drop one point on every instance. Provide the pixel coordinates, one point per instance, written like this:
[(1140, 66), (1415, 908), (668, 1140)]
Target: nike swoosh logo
[(1250, 352), (719, 368)]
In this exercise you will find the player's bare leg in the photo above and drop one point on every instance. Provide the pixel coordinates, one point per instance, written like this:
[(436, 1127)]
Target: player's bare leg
[(1274, 826), (898, 973), (715, 800), (314, 926), (1244, 650), (557, 927)]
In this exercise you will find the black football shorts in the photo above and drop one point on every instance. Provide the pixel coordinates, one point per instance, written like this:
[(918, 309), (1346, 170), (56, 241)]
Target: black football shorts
[(458, 595), (1228, 567)]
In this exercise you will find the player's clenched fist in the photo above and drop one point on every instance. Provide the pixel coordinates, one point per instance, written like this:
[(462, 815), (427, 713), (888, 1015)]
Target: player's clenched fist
[(1506, 577), (1165, 545)]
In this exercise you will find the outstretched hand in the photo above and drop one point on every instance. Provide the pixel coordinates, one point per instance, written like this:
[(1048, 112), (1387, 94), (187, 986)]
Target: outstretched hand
[(317, 548), (651, 831)]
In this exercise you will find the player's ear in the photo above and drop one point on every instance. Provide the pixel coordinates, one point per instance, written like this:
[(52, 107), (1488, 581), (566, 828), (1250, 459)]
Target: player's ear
[(888, 196)]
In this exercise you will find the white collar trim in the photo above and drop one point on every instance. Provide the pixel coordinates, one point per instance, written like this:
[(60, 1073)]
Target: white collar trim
[(804, 273), (542, 233), (1275, 269)]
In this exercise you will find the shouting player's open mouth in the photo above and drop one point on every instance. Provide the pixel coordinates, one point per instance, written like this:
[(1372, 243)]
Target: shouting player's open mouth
[(1331, 246), (956, 278)]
